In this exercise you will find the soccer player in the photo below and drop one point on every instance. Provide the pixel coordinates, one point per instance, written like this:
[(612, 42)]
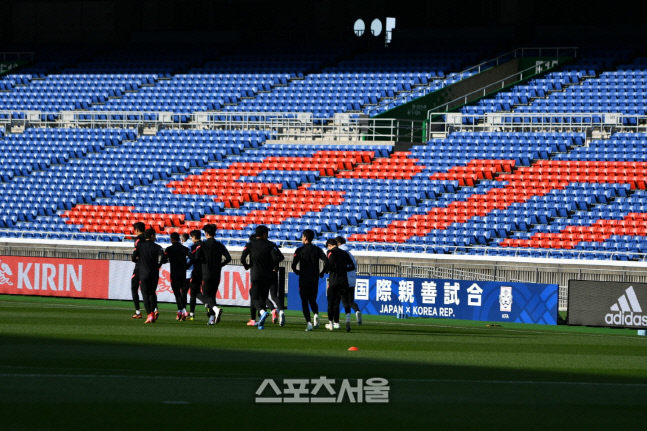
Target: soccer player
[(210, 255), (275, 301), (177, 255), (139, 229), (150, 257), (306, 265), (196, 273), (340, 265), (252, 309), (188, 243), (352, 279), (264, 257)]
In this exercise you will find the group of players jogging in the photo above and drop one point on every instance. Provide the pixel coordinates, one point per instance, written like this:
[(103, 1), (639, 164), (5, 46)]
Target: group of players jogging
[(196, 267)]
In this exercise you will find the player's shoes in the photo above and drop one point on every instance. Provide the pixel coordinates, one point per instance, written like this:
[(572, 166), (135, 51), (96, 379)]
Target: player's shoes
[(330, 326), (157, 315), (212, 320), (150, 318), (137, 316), (251, 322), (179, 315), (358, 315), (348, 326), (186, 315), (191, 317), (281, 318), (218, 314), (336, 325), (275, 317), (309, 327), (316, 324), (261, 321)]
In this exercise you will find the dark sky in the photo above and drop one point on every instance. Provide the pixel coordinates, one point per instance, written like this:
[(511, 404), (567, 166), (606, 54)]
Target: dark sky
[(518, 21)]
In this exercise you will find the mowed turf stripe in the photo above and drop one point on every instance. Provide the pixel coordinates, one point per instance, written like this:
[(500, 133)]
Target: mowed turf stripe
[(419, 322), (158, 377)]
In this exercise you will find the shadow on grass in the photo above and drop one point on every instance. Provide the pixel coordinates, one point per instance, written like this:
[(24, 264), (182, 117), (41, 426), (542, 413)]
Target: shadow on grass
[(50, 383)]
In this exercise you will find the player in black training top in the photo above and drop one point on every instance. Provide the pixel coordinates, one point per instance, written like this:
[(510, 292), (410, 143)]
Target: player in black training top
[(188, 243), (263, 258), (252, 309), (352, 278), (150, 257), (306, 265), (338, 288), (212, 256), (195, 283), (177, 255), (139, 229)]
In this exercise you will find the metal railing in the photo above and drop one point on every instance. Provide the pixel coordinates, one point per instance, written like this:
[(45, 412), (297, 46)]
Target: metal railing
[(505, 121), (509, 80), (473, 70), (50, 252), (297, 126), (112, 255), (414, 249), (16, 56)]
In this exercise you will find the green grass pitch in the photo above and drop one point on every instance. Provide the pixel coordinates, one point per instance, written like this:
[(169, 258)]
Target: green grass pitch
[(85, 364)]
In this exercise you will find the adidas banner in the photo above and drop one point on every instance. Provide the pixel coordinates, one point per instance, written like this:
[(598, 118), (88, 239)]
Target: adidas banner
[(452, 299), (603, 303)]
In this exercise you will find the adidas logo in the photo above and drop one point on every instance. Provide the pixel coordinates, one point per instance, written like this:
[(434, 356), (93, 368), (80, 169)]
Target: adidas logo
[(626, 311)]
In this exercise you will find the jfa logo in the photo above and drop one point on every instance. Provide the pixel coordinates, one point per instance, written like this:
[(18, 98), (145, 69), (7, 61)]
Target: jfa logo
[(5, 273), (164, 284), (505, 298)]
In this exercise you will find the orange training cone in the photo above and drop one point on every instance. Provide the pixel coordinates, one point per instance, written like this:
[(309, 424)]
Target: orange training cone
[(353, 349)]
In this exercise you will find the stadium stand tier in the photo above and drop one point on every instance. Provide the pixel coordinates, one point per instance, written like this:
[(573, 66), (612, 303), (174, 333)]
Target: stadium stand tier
[(537, 193)]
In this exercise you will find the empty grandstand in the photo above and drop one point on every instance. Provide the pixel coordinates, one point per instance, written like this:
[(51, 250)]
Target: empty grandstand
[(178, 140)]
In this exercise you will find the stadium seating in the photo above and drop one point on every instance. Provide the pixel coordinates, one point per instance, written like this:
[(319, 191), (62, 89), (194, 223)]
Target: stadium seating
[(242, 82), (513, 193)]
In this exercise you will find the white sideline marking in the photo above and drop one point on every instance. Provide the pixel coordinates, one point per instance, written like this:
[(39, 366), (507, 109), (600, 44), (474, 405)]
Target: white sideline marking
[(50, 304), (120, 376), (453, 381)]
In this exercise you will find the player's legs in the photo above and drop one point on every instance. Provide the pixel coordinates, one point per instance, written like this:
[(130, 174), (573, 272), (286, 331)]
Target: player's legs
[(148, 292), (134, 290), (252, 309), (275, 297), (195, 289), (346, 298), (209, 291), (176, 286), (333, 303), (312, 298), (185, 291), (346, 295), (258, 298), (305, 296), (308, 294)]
